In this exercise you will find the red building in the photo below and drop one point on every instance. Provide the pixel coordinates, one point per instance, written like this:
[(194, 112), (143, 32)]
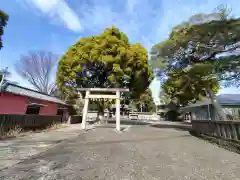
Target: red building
[(15, 99)]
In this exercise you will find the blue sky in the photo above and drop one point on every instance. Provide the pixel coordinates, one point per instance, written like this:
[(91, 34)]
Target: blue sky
[(54, 25)]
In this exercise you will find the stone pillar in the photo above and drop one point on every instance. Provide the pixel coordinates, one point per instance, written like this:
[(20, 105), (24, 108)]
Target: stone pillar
[(69, 120), (118, 111), (85, 110)]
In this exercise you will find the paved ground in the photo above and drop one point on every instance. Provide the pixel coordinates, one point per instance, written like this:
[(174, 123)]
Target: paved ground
[(15, 150), (141, 153)]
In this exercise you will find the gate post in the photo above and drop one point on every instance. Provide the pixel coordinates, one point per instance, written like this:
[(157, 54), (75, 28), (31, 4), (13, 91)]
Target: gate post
[(118, 111), (85, 110)]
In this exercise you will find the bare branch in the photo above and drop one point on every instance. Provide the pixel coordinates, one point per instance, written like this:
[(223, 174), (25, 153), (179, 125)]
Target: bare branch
[(37, 68)]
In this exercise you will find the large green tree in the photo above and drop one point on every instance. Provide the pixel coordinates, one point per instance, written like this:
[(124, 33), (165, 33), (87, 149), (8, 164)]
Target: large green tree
[(206, 39), (203, 38), (3, 23), (144, 102), (197, 81), (107, 60)]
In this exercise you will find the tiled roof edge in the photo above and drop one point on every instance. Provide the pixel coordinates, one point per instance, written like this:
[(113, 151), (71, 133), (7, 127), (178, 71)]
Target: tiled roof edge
[(4, 86)]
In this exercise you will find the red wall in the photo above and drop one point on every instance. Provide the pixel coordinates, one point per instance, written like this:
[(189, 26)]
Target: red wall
[(13, 104), (49, 108)]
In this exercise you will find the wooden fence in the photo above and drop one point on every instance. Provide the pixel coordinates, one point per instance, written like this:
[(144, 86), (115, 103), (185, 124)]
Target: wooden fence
[(9, 121), (229, 130)]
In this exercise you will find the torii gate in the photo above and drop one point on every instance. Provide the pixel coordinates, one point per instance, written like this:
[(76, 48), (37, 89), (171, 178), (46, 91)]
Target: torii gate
[(102, 96)]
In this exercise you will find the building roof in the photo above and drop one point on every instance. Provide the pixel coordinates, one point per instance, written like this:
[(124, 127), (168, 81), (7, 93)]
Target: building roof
[(23, 91), (222, 99), (229, 99)]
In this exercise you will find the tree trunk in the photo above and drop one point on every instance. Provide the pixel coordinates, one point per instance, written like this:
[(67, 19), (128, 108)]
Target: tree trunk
[(216, 105), (100, 115), (109, 112)]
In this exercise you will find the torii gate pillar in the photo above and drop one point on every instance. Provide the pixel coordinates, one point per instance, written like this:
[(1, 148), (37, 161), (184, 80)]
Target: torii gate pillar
[(118, 111), (85, 110)]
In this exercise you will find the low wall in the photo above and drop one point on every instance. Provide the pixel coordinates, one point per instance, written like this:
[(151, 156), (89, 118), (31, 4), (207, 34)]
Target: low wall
[(92, 114), (144, 116), (131, 115), (9, 121), (229, 130)]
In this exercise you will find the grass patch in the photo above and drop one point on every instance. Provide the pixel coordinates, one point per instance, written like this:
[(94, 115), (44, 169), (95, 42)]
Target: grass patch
[(18, 131), (13, 132), (56, 126)]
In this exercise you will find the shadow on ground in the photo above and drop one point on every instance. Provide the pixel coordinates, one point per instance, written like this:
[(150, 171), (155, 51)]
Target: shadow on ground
[(180, 126), (136, 140), (228, 144), (92, 122)]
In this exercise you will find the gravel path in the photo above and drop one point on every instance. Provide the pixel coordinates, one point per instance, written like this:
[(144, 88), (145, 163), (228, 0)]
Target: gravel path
[(141, 153)]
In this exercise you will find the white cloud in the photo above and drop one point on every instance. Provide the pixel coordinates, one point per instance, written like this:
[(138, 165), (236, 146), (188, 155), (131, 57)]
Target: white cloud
[(57, 10), (137, 19), (130, 5)]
